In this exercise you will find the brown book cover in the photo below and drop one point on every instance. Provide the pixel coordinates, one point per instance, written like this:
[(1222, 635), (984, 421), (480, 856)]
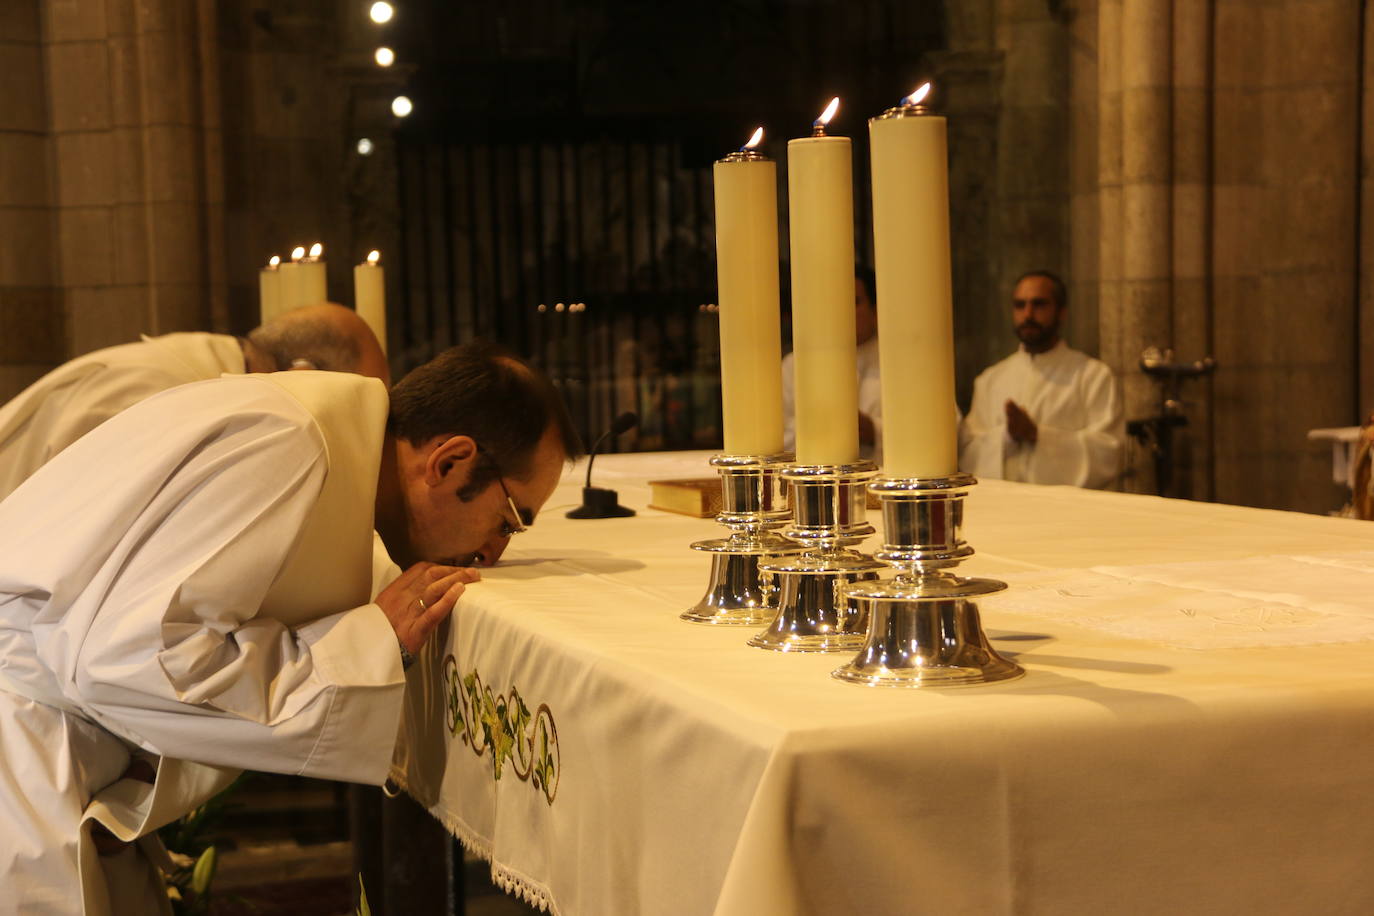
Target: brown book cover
[(699, 497), (696, 496)]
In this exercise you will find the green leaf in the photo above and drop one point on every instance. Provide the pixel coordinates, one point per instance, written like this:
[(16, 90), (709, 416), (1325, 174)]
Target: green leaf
[(363, 908), (204, 872)]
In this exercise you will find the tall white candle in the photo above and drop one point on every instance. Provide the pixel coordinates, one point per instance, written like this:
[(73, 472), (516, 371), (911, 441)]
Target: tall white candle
[(820, 200), (915, 315), (369, 295), (289, 281), (746, 192), (310, 278), (269, 291)]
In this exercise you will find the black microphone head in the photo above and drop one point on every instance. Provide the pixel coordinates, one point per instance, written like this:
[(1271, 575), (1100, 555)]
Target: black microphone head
[(625, 422)]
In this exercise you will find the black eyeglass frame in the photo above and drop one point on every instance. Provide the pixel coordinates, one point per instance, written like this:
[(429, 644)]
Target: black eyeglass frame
[(507, 529)]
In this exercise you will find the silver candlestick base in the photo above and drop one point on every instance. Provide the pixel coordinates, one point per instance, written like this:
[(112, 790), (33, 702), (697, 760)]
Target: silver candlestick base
[(829, 509), (923, 627), (753, 505)]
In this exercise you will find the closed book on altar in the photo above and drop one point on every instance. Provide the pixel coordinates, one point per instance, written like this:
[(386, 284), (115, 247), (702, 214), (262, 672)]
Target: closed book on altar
[(696, 496)]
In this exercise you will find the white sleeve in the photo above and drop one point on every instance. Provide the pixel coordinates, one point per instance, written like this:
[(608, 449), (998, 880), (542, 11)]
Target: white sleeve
[(1090, 456), (165, 646), (982, 434), (384, 569)]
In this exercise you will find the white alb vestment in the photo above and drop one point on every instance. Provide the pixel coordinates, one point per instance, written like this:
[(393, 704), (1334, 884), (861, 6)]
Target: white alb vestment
[(190, 582), (870, 397), (1075, 402), (79, 395)]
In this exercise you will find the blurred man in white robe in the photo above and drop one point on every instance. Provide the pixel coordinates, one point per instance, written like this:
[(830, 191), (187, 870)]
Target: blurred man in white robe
[(1046, 414), (79, 395), (866, 363), (184, 591)]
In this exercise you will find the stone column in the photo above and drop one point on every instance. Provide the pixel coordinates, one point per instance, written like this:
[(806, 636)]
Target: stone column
[(1085, 205), (1031, 207), (1191, 229), (1137, 219), (1108, 244), (133, 116), (31, 325)]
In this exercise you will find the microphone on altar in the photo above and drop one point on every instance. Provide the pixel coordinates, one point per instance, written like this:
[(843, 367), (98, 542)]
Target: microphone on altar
[(596, 501)]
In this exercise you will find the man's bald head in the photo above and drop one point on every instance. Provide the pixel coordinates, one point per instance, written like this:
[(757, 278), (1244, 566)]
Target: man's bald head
[(328, 337)]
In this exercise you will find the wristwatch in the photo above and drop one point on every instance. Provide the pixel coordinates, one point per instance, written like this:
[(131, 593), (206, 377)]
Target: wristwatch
[(406, 658)]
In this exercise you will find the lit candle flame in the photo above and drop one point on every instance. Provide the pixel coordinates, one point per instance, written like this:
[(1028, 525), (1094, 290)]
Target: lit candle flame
[(273, 261), (829, 112), (754, 140), (373, 257), (297, 253), (918, 96), (316, 250)]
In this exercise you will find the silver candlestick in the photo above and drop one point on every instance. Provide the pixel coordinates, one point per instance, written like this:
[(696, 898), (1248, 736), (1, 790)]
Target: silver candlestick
[(923, 627), (753, 506), (829, 510)]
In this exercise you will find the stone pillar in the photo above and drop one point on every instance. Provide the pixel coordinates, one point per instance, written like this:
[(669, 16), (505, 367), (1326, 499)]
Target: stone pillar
[(1108, 244), (1031, 213), (133, 118), (1135, 162), (31, 325), (1085, 255), (1191, 229), (1004, 81)]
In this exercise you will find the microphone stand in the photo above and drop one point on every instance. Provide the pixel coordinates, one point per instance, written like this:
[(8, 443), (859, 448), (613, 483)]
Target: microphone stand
[(599, 502)]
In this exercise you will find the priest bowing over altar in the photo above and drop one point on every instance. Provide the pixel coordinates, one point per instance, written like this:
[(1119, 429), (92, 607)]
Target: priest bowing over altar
[(186, 591)]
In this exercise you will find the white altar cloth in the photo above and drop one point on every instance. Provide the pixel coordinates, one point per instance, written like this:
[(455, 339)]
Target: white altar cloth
[(662, 767)]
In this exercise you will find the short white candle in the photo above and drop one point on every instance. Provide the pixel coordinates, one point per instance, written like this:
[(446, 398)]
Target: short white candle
[(289, 281), (310, 278), (369, 295), (269, 291), (746, 194), (820, 200)]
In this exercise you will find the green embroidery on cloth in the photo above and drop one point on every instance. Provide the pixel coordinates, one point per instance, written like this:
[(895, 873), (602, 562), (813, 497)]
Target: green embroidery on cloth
[(528, 743)]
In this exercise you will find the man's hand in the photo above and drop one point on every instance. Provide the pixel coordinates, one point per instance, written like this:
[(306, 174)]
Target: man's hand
[(420, 599), (1020, 426)]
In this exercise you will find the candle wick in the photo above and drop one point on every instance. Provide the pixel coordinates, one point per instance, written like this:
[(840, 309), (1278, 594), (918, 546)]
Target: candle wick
[(818, 128)]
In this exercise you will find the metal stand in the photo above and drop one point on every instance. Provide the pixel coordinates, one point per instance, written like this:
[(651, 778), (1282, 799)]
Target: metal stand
[(923, 627), (753, 506), (829, 509)]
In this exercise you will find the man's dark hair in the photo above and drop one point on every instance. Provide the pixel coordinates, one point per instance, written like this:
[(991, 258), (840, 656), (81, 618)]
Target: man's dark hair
[(1061, 292), (870, 282), (482, 390)]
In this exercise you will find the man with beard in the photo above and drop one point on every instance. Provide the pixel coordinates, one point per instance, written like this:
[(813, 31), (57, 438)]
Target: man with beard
[(1046, 414)]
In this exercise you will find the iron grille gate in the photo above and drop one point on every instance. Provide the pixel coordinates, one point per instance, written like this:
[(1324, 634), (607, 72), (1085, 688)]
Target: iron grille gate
[(594, 259)]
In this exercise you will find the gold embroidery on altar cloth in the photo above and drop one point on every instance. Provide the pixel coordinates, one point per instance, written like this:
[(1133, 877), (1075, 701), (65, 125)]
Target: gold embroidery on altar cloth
[(528, 744)]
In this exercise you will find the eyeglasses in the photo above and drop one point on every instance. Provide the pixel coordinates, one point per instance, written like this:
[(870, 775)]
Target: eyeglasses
[(507, 529), (523, 517)]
